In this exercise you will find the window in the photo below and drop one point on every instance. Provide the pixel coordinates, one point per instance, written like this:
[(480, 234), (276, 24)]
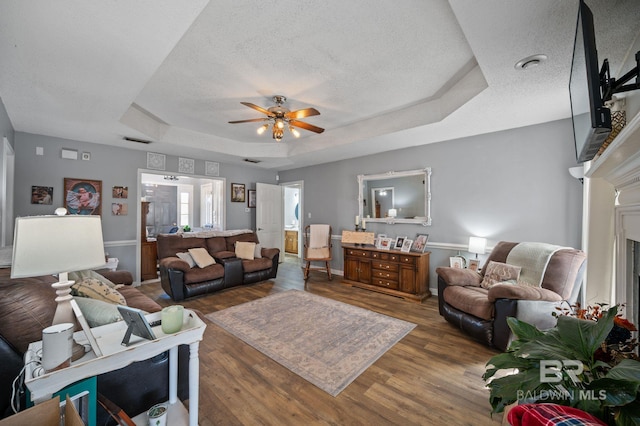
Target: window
[(184, 208), (212, 205)]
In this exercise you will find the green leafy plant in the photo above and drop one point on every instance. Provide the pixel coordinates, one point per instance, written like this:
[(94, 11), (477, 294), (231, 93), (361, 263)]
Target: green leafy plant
[(564, 365), (186, 228)]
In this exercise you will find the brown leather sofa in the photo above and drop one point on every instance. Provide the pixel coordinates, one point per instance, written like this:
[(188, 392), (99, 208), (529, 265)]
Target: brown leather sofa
[(482, 312), (27, 306), (180, 281)]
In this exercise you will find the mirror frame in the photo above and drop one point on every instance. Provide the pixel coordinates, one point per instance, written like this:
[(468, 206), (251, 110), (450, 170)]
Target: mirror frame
[(426, 172)]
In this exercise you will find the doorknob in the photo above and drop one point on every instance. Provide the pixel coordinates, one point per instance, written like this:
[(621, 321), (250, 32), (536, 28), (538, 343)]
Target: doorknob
[(260, 229)]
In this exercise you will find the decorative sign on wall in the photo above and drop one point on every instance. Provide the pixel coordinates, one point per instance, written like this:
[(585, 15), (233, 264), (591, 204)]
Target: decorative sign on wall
[(156, 161), (211, 168), (186, 165)]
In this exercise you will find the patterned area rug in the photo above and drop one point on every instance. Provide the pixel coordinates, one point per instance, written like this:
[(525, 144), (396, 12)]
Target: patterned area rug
[(326, 342)]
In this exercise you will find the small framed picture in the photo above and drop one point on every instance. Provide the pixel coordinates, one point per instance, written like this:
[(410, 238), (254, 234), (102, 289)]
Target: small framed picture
[(456, 262), (399, 242), (474, 264), (251, 202), (420, 243), (120, 192), (385, 243), (119, 209), (42, 195), (406, 245), (237, 193)]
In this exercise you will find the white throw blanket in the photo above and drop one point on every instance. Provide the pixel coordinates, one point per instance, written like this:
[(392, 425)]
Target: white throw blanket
[(533, 258), (318, 235), (208, 234)]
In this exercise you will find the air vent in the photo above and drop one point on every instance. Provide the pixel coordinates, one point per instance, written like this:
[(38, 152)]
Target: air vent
[(144, 141), (249, 160)]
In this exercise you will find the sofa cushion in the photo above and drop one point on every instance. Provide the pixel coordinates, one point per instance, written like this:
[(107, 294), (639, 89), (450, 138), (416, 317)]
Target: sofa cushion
[(170, 244), (88, 273), (98, 312), (562, 271), (249, 237), (521, 292), (256, 265), (137, 299), (499, 253), (198, 275), (224, 254), (95, 289), (216, 244), (498, 272), (457, 276), (187, 258), (202, 257), (472, 300), (245, 250)]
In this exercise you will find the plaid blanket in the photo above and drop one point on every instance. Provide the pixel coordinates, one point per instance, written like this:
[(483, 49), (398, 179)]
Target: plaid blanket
[(550, 414)]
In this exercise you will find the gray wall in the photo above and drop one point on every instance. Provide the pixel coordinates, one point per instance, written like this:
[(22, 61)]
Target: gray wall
[(114, 167), (512, 185)]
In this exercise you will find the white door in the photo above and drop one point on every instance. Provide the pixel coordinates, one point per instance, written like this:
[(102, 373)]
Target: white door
[(269, 215)]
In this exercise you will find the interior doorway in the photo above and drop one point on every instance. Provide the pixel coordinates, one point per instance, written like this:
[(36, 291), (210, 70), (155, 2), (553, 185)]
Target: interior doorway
[(293, 226)]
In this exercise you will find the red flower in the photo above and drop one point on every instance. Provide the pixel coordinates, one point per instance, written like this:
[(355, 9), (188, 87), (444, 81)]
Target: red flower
[(624, 323)]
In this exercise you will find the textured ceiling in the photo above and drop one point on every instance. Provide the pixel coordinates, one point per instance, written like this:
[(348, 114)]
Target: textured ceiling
[(384, 75)]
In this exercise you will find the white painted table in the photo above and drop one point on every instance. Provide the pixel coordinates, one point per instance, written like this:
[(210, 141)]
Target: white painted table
[(116, 356)]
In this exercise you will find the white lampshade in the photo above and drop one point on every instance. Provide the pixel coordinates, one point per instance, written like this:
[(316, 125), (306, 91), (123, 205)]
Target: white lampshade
[(44, 245), (477, 245), (393, 213)]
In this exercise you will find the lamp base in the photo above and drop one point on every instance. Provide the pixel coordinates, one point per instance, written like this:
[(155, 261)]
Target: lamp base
[(64, 313)]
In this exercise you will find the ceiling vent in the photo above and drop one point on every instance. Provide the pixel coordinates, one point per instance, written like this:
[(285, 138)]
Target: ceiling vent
[(249, 160), (144, 141)]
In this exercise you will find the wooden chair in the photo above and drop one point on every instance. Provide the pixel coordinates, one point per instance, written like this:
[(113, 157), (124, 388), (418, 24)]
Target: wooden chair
[(317, 248)]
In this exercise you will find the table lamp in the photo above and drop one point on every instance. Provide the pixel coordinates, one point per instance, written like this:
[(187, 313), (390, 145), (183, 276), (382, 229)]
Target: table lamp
[(477, 245), (57, 244)]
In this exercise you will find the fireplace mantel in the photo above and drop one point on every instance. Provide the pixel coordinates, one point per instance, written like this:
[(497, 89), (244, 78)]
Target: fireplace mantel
[(619, 165)]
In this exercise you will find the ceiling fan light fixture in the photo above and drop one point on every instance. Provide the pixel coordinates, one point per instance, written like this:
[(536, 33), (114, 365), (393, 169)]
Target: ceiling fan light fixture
[(263, 128), (277, 134), (294, 131), (279, 123)]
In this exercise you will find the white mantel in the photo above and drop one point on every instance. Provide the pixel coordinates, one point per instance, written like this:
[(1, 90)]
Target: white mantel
[(619, 165)]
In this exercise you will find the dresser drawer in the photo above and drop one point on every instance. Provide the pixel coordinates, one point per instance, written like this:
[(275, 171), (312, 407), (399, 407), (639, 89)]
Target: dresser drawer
[(387, 275), (358, 253), (385, 283), (385, 266), (393, 257), (407, 260)]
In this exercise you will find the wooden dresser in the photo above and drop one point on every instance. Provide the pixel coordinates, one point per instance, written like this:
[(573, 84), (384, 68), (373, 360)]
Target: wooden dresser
[(391, 272)]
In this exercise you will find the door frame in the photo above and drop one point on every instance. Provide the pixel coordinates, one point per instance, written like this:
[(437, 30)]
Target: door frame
[(301, 221)]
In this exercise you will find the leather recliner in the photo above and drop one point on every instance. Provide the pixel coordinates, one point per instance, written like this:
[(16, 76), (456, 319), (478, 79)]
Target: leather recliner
[(482, 313)]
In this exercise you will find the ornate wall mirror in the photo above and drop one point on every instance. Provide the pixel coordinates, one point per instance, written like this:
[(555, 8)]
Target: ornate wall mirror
[(396, 197)]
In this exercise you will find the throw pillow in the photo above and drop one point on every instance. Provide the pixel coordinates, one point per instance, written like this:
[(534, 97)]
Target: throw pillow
[(187, 258), (245, 250), (98, 312), (257, 253), (94, 289), (498, 272), (88, 273), (202, 257)]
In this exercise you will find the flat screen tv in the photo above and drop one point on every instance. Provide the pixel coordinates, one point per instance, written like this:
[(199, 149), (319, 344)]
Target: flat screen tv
[(591, 119)]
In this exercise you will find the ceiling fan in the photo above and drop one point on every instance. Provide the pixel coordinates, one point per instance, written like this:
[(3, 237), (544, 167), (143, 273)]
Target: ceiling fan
[(280, 117)]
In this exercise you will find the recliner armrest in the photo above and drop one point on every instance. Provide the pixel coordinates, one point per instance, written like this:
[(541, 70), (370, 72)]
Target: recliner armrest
[(522, 292), (457, 276), (174, 263), (269, 253)]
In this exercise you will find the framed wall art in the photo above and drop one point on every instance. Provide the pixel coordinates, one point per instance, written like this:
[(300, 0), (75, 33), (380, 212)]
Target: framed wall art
[(251, 202), (42, 195), (83, 196), (120, 192), (237, 193), (119, 209), (156, 161), (211, 168), (186, 165)]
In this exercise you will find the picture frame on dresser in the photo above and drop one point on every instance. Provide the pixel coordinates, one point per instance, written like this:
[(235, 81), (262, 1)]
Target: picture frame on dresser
[(399, 242), (385, 243), (420, 243), (406, 245)]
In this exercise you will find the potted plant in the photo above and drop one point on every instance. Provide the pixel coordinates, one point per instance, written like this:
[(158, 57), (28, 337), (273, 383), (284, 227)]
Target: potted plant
[(586, 361)]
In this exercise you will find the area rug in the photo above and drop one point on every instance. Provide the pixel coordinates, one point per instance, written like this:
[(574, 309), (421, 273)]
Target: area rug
[(326, 342)]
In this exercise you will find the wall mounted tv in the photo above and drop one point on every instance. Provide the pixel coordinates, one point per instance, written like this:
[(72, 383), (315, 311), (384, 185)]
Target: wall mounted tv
[(591, 119), (590, 89)]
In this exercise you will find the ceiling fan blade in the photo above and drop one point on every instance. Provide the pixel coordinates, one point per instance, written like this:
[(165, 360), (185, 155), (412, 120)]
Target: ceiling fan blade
[(306, 126), (251, 120), (302, 113), (258, 108)]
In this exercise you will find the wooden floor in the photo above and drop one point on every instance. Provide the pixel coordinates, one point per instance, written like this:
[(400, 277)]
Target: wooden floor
[(431, 377)]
